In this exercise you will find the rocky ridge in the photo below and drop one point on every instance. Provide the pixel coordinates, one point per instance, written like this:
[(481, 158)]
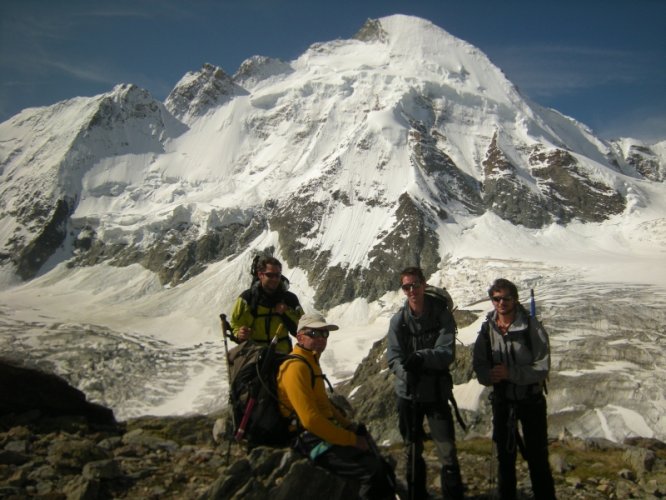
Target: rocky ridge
[(67, 454)]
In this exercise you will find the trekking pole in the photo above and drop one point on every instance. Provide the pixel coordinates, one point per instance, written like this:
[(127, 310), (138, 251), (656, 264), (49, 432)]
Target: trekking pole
[(532, 304), (226, 328), (492, 473), (363, 431), (249, 407), (411, 490)]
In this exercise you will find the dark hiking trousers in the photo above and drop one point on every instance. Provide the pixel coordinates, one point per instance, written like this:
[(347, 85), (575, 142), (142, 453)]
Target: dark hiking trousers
[(371, 471), (531, 413), (443, 435)]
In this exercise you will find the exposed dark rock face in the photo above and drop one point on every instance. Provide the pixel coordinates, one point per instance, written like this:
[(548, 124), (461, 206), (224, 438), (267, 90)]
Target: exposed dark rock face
[(257, 68), (562, 190), (571, 193), (646, 163), (411, 242), (24, 390), (452, 185), (32, 257), (198, 92), (507, 195), (371, 31), (175, 257), (135, 104)]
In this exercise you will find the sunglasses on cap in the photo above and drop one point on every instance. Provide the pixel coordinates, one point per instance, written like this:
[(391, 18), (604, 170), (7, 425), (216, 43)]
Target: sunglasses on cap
[(499, 298), (315, 334), (410, 286)]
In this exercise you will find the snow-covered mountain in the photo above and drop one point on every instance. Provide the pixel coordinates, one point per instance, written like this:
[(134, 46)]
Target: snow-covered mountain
[(124, 218)]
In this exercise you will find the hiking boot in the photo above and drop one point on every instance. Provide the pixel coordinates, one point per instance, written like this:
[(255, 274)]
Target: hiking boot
[(452, 485)]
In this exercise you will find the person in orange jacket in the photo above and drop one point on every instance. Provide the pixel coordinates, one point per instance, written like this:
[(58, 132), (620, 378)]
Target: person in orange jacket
[(328, 438)]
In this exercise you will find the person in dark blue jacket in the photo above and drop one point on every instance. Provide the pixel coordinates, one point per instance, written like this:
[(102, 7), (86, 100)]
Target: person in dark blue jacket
[(421, 347)]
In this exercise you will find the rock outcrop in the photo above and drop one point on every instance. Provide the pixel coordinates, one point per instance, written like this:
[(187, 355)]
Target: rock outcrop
[(25, 390), (69, 455)]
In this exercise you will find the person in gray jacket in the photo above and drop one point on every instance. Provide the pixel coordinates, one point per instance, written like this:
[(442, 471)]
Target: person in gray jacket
[(512, 354), (421, 347)]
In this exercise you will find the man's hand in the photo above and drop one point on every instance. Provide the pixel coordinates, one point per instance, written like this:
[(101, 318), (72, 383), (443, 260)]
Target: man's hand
[(243, 333), (499, 373), (413, 363), (412, 382)]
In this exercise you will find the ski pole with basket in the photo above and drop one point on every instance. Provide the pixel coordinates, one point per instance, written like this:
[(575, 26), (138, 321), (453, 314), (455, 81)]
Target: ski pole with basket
[(226, 333)]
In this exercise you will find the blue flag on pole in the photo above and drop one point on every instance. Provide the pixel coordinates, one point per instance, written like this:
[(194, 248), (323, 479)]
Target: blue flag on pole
[(532, 304)]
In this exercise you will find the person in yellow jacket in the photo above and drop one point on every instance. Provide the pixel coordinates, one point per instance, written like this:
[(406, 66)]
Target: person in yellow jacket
[(262, 308), (328, 438)]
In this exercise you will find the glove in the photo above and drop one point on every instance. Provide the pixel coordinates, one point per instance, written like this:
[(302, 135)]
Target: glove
[(413, 363), (412, 383)]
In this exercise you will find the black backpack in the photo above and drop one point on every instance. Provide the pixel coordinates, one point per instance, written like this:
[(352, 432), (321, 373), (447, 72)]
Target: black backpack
[(444, 299), (254, 369)]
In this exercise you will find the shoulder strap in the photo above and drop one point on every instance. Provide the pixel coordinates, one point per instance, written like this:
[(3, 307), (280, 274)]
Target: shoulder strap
[(485, 332), (441, 294), (404, 333), (312, 373), (534, 325)]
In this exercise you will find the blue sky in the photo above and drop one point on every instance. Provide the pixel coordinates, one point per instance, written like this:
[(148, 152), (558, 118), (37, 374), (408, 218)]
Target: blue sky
[(600, 62)]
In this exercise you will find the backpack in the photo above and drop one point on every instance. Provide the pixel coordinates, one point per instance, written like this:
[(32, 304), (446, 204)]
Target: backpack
[(253, 373), (441, 295), (443, 298)]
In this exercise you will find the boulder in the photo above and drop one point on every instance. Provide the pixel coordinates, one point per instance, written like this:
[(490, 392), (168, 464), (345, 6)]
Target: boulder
[(25, 390)]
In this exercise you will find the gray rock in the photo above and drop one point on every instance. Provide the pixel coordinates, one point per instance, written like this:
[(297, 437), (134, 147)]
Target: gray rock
[(558, 463), (311, 482), (73, 454), (9, 457), (81, 488), (19, 446), (230, 481), (640, 460), (627, 474), (142, 438), (219, 429), (24, 389), (102, 469)]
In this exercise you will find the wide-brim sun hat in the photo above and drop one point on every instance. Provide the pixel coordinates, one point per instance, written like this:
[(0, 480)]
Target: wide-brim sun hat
[(315, 321)]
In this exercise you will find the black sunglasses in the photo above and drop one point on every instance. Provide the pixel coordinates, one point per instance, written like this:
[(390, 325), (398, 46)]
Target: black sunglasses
[(410, 286), (505, 298), (315, 334)]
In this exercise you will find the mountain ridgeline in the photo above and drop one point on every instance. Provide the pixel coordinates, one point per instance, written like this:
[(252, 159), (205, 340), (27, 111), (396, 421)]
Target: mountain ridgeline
[(383, 138)]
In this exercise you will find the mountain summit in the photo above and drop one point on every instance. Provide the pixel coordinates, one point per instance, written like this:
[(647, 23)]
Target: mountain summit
[(386, 136)]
